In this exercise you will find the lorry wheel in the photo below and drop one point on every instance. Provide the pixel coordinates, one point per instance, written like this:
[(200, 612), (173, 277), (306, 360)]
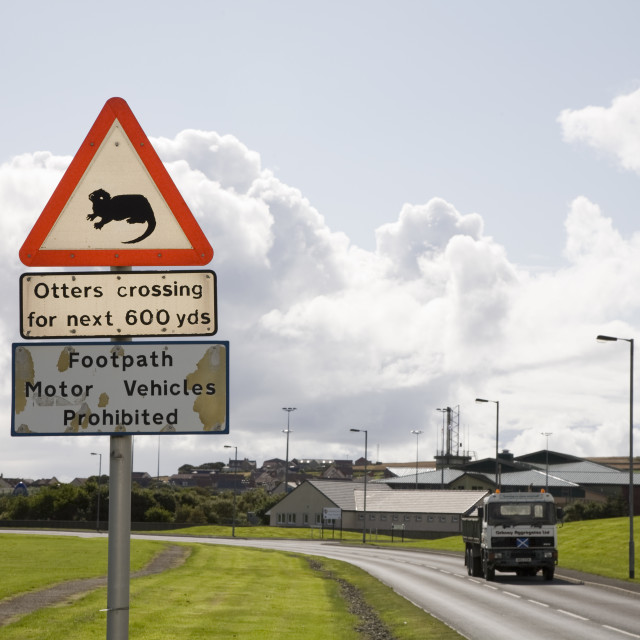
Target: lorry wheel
[(489, 573), (547, 573), (469, 562), (477, 567)]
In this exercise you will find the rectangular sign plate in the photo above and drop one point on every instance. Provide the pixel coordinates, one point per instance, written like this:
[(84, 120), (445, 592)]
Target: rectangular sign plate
[(117, 304), (107, 388)]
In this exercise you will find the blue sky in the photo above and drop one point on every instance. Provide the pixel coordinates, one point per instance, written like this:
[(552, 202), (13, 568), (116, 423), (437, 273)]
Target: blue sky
[(361, 108)]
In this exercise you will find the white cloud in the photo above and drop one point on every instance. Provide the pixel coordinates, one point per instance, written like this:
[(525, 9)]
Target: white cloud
[(614, 130), (437, 315)]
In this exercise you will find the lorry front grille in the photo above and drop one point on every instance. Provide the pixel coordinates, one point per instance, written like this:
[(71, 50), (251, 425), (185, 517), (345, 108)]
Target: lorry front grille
[(512, 543)]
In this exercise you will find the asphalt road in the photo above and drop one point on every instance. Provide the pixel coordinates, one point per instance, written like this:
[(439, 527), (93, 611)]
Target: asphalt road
[(571, 606)]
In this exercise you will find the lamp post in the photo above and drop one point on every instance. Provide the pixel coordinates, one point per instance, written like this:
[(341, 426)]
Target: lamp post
[(235, 470), (497, 403), (286, 467), (631, 500), (417, 435), (546, 434), (99, 479), (364, 510)]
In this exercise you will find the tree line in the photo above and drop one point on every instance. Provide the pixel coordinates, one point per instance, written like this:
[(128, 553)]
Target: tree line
[(157, 503)]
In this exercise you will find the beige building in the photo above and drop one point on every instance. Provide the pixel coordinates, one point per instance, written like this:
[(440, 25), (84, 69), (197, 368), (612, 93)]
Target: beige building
[(429, 513)]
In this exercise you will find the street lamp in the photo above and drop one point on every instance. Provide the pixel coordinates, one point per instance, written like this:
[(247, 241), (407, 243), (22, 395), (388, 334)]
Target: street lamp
[(235, 469), (497, 403), (417, 435), (99, 478), (364, 525), (286, 467), (631, 500), (546, 434)]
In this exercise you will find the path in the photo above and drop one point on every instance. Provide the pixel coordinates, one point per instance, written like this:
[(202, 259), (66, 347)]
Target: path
[(13, 608)]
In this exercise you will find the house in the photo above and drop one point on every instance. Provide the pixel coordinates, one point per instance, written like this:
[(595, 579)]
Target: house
[(338, 472), (426, 513), (44, 482), (186, 480), (141, 478), (5, 487), (266, 481), (273, 465), (241, 465)]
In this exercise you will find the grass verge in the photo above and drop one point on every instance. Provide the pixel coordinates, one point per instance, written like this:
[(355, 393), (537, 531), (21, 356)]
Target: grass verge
[(225, 592), (35, 562), (404, 620)]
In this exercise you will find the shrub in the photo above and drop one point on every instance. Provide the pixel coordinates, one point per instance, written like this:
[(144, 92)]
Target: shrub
[(612, 508), (158, 514)]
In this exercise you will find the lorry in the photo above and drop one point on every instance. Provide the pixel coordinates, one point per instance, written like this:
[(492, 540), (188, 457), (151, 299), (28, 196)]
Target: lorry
[(512, 532)]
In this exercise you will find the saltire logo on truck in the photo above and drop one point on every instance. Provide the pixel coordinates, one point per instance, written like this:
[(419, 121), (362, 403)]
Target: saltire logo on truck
[(522, 543)]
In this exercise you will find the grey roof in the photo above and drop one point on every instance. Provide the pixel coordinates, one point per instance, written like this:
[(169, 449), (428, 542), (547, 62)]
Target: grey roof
[(342, 493), (533, 477), (565, 474), (403, 471), (456, 502), (590, 473), (432, 476)]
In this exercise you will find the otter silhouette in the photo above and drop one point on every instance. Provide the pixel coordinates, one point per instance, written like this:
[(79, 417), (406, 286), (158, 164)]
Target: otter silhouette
[(134, 208)]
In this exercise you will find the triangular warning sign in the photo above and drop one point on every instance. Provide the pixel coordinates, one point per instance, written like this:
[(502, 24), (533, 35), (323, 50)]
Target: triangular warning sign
[(116, 205)]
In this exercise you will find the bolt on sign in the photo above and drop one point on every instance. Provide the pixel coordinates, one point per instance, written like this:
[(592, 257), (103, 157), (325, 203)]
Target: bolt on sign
[(125, 303), (118, 388)]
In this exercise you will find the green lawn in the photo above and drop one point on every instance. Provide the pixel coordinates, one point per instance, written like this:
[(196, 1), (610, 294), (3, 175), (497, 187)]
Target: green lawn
[(598, 546), (34, 562), (226, 592)]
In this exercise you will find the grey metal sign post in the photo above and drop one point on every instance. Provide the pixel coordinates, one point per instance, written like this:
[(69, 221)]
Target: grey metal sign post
[(119, 562)]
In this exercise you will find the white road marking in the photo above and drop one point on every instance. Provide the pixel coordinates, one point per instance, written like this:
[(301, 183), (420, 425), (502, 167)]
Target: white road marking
[(573, 615)]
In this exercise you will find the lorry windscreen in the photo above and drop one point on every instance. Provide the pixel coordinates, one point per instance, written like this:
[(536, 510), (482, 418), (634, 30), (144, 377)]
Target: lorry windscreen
[(513, 513)]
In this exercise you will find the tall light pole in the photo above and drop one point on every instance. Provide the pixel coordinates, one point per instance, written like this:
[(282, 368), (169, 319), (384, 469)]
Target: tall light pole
[(546, 434), (364, 525), (235, 470), (99, 479), (286, 467), (631, 500), (416, 433), (497, 403)]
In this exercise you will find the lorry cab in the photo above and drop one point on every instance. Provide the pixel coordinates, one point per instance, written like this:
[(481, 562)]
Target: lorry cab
[(512, 532)]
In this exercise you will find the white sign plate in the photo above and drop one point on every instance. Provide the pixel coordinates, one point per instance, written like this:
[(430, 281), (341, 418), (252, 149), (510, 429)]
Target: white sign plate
[(332, 513), (107, 388), (117, 304)]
